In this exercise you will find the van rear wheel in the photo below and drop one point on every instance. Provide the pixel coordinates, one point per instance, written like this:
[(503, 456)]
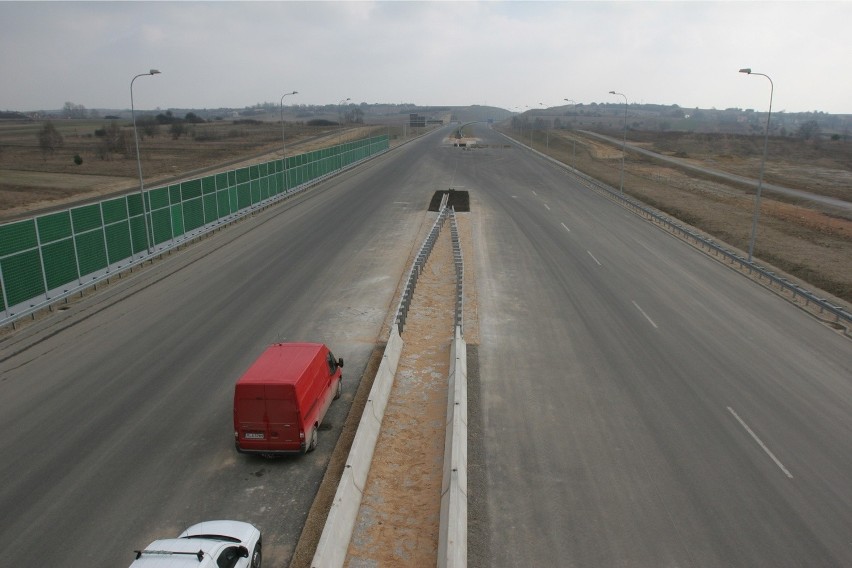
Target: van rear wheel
[(312, 445)]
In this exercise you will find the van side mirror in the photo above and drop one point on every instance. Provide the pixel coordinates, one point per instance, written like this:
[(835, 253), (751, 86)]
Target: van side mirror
[(340, 362)]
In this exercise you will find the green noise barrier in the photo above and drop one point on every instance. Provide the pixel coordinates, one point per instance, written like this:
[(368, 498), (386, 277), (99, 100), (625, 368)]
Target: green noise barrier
[(50, 256)]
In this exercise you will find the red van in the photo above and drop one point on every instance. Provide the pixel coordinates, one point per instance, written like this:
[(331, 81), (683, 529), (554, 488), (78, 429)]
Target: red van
[(280, 401)]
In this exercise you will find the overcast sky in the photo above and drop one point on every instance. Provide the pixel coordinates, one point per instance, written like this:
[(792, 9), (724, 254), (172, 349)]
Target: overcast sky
[(512, 55)]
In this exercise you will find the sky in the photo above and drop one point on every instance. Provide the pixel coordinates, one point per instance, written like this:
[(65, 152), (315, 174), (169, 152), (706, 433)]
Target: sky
[(513, 55)]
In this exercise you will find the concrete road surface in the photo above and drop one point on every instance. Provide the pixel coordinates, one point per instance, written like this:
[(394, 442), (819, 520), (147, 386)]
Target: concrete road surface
[(116, 415), (641, 404)]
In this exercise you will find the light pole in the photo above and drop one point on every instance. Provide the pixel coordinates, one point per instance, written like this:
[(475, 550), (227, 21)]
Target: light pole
[(283, 140), (624, 141), (139, 161), (748, 71), (573, 142), (546, 130), (340, 131), (531, 123)]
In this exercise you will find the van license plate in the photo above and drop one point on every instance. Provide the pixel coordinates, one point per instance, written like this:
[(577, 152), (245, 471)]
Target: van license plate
[(255, 435)]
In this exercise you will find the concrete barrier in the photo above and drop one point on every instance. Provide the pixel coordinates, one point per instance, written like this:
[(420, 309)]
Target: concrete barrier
[(452, 535), (334, 542)]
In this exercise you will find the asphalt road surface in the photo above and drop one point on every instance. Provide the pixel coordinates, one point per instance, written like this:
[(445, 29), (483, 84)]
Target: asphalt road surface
[(116, 415), (641, 404)]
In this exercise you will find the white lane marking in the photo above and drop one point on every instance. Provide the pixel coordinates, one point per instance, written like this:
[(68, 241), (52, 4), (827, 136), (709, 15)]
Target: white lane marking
[(548, 206), (566, 228), (644, 314), (534, 193), (593, 256), (760, 443)]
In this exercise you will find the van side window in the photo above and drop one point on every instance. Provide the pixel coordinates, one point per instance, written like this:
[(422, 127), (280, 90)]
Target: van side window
[(332, 364)]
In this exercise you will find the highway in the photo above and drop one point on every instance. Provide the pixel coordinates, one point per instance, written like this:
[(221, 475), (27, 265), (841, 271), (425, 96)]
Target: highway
[(641, 404), (116, 414)]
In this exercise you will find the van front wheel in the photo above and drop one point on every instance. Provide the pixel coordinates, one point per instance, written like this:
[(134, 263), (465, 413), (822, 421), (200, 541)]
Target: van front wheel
[(312, 445), (339, 390)]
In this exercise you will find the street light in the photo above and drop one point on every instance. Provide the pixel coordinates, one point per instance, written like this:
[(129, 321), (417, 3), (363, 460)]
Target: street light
[(340, 131), (624, 141), (283, 140), (531, 123), (573, 142), (139, 161), (748, 71), (546, 130)]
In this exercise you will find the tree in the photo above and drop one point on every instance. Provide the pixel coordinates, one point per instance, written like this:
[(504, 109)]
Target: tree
[(176, 130), (809, 130), (148, 125), (193, 118), (71, 110), (114, 140), (353, 115), (49, 139), (167, 118)]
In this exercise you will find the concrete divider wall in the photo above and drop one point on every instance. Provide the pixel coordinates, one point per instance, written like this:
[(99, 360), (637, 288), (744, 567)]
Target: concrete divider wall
[(452, 536), (334, 542)]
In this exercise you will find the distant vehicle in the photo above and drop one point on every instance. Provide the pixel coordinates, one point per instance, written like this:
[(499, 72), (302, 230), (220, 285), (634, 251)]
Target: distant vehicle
[(281, 400), (211, 544)]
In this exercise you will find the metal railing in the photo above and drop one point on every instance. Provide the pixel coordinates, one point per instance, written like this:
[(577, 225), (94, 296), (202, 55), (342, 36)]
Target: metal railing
[(419, 264), (458, 261)]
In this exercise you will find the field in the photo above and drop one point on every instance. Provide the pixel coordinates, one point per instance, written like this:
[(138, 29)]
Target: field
[(809, 242), (33, 180)]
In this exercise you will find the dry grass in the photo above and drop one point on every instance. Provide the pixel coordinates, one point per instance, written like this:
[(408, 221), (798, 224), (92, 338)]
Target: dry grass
[(31, 181)]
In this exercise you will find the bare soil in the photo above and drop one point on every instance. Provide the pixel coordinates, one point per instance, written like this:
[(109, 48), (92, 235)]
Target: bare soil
[(400, 510)]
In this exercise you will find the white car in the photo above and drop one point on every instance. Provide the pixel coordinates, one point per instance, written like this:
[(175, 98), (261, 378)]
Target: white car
[(211, 544)]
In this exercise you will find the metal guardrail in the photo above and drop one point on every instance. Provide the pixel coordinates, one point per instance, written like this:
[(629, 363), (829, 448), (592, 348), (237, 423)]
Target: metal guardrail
[(419, 264), (841, 316), (458, 261)]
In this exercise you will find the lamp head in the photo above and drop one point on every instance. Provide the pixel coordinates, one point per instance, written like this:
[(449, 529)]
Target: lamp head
[(747, 70), (295, 93), (153, 72), (612, 93)]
